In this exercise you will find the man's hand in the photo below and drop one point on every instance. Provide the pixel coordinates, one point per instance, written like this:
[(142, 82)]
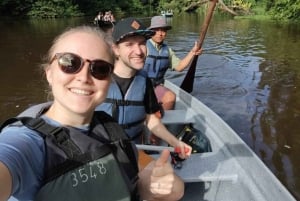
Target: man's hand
[(197, 50), (185, 150)]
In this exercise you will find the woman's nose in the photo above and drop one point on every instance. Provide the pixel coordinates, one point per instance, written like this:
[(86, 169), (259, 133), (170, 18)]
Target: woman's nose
[(84, 74)]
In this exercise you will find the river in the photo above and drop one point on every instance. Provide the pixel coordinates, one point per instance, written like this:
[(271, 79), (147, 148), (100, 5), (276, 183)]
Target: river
[(249, 74)]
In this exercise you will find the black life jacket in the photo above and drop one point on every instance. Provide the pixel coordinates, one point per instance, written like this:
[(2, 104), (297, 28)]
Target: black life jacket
[(101, 165)]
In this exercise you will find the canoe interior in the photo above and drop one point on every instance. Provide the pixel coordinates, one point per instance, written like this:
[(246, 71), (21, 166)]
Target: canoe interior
[(232, 171)]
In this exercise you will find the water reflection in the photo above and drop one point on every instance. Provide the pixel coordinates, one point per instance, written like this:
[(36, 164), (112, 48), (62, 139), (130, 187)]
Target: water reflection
[(23, 43), (249, 74)]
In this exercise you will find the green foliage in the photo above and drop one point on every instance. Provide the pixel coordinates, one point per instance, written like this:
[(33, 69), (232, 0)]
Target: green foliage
[(286, 10), (53, 9), (279, 9), (67, 8), (15, 7), (242, 4), (119, 7), (92, 7), (175, 5)]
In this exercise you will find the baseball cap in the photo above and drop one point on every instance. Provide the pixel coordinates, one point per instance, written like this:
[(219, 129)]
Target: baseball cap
[(130, 27)]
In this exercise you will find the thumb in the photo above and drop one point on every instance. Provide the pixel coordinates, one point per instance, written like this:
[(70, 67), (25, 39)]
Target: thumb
[(164, 157)]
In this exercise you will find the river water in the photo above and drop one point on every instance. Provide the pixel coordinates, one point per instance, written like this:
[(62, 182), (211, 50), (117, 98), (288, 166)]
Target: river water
[(249, 74)]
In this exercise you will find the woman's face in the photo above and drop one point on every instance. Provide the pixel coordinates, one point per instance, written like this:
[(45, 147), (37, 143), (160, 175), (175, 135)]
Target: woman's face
[(79, 93)]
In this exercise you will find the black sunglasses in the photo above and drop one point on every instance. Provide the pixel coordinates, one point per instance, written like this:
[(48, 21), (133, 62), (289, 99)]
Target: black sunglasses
[(71, 63)]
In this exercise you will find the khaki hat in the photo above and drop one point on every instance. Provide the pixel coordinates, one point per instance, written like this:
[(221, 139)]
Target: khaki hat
[(130, 27), (159, 22)]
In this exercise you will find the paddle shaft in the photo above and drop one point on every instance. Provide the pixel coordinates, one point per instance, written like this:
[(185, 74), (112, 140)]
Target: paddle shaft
[(159, 148), (145, 159), (188, 81)]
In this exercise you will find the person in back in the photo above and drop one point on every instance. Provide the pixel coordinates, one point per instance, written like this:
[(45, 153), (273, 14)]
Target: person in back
[(69, 152), (131, 99), (160, 58)]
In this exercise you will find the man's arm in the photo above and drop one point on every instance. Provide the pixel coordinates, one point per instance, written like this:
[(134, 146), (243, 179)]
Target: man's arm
[(156, 127), (184, 63), (5, 182)]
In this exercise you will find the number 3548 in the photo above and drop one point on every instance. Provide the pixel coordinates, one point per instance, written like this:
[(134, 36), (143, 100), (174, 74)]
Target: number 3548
[(87, 172)]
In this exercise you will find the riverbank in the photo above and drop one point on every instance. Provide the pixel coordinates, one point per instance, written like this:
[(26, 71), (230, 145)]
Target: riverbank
[(279, 10)]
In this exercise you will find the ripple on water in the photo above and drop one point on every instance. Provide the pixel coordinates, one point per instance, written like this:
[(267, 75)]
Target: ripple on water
[(210, 61), (220, 87), (209, 67)]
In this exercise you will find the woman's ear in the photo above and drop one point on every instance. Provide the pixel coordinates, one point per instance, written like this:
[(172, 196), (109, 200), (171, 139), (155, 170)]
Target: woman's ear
[(49, 75)]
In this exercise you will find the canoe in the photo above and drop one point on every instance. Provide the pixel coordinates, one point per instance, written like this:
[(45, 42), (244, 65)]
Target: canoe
[(232, 171), (104, 24)]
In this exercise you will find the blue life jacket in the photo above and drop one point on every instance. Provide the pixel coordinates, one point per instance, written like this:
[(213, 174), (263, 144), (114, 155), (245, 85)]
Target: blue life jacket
[(157, 63), (129, 110), (100, 165)]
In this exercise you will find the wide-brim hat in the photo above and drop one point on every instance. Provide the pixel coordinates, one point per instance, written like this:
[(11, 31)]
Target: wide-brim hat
[(130, 27), (159, 22)]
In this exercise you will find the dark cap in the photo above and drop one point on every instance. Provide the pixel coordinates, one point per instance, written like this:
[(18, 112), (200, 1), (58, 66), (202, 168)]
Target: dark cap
[(130, 27)]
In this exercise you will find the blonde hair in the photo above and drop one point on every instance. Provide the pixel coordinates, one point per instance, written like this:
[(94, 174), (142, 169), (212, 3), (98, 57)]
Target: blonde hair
[(106, 38), (80, 29)]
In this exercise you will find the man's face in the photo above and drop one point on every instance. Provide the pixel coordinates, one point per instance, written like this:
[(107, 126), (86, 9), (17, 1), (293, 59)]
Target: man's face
[(160, 35), (131, 52)]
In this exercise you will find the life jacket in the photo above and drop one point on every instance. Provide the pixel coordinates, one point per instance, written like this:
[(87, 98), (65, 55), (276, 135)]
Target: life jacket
[(100, 165), (157, 63), (129, 110)]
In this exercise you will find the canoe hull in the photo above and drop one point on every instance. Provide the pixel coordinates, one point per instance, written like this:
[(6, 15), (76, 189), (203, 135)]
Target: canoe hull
[(106, 24), (232, 171)]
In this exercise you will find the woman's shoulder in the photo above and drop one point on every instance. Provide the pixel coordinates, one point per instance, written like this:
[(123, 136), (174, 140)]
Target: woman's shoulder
[(19, 135), (22, 151)]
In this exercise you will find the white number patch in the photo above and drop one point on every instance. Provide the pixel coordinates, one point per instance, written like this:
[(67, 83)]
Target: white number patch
[(90, 171)]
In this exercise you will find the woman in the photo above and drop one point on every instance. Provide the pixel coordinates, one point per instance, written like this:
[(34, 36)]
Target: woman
[(77, 68)]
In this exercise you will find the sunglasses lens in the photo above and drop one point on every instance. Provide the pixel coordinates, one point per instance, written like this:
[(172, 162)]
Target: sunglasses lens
[(69, 63), (101, 69)]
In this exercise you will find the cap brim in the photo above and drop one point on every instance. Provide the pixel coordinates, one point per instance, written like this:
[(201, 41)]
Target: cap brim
[(162, 27), (146, 33)]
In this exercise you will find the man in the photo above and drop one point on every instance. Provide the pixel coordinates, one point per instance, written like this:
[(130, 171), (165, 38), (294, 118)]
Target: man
[(131, 99), (160, 57)]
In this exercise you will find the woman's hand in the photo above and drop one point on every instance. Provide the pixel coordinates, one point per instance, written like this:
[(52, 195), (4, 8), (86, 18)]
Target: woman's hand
[(159, 182)]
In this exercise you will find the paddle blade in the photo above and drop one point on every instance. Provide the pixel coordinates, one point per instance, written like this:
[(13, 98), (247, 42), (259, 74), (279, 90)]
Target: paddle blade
[(188, 82)]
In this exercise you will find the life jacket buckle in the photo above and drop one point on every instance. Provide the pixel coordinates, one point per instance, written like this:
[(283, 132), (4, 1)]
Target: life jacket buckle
[(60, 135)]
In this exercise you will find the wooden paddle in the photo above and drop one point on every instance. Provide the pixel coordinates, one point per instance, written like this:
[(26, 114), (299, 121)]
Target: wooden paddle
[(188, 82)]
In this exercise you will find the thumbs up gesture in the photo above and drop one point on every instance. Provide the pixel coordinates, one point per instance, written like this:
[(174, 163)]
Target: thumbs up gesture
[(159, 182)]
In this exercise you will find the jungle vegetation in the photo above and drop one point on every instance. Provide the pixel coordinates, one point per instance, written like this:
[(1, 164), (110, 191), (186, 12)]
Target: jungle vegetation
[(276, 9)]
